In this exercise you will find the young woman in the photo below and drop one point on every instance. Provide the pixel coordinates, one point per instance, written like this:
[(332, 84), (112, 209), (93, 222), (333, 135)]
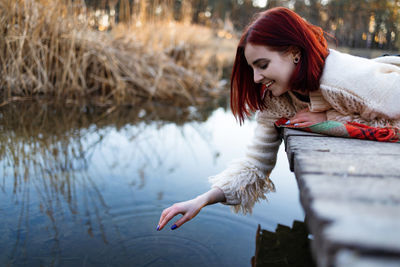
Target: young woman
[(283, 68)]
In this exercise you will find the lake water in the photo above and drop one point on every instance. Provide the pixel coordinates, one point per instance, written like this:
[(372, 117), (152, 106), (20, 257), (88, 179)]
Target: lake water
[(83, 187)]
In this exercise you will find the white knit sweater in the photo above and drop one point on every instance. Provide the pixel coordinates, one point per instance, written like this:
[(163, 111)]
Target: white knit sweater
[(351, 89)]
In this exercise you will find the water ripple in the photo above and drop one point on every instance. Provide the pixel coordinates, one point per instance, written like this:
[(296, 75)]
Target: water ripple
[(167, 250)]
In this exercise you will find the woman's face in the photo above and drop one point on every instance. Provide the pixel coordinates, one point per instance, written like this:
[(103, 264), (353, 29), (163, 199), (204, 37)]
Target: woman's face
[(272, 68)]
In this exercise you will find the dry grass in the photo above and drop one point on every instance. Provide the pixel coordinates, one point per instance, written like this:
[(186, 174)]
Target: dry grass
[(48, 49)]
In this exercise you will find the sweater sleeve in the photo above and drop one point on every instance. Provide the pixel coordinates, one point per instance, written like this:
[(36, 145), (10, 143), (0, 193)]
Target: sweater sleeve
[(361, 87), (334, 115), (245, 181), (350, 107)]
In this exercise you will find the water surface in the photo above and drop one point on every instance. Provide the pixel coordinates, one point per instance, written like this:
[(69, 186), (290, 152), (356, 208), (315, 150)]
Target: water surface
[(85, 187)]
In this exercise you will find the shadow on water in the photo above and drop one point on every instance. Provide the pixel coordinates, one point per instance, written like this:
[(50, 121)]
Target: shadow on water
[(61, 209)]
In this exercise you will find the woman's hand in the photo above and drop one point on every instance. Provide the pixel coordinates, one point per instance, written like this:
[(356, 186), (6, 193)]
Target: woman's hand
[(189, 209), (305, 118)]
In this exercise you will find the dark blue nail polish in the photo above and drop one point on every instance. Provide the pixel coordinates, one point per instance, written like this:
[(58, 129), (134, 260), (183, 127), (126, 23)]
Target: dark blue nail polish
[(173, 227), (158, 228)]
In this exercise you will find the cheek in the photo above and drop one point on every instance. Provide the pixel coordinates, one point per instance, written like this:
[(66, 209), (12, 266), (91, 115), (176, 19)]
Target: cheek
[(287, 74)]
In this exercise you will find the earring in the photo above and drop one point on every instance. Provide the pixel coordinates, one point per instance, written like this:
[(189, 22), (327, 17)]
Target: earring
[(296, 60)]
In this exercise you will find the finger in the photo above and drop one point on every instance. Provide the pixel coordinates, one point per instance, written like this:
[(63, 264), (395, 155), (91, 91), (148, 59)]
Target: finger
[(163, 219), (302, 124), (166, 219), (181, 221), (299, 115), (163, 214), (298, 119), (171, 214)]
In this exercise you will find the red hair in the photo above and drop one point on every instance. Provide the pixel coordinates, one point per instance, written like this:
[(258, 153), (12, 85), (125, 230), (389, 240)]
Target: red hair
[(280, 29)]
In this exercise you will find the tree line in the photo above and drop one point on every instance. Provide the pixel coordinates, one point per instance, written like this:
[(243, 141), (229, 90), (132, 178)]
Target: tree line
[(353, 23)]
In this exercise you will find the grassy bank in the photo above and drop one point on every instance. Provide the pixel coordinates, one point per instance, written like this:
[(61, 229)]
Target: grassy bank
[(49, 49)]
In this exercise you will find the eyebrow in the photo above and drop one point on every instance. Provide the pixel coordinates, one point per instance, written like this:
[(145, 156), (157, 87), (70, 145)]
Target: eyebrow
[(260, 59)]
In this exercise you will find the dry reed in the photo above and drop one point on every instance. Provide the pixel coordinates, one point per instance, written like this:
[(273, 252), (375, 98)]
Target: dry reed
[(49, 49)]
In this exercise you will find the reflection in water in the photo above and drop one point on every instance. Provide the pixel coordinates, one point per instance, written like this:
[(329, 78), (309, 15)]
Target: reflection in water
[(85, 186), (47, 149), (286, 247)]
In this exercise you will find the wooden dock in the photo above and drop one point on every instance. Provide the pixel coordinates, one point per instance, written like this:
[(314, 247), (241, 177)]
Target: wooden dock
[(350, 192)]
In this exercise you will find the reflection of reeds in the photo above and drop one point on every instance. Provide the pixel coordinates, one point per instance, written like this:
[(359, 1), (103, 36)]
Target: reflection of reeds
[(46, 153), (48, 49), (51, 137), (48, 162)]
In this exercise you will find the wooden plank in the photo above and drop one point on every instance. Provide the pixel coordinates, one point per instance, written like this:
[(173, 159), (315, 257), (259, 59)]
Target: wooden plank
[(295, 144), (350, 191), (346, 164), (370, 229), (352, 212), (346, 192), (352, 188), (342, 145), (346, 258), (292, 132), (367, 226)]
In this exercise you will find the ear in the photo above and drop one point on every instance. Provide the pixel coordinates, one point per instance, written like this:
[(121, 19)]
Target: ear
[(294, 51)]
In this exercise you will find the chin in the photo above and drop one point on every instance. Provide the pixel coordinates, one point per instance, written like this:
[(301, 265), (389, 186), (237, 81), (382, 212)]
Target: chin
[(276, 93)]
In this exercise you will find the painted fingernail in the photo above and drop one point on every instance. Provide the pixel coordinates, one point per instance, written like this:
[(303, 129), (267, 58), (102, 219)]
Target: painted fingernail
[(288, 122), (296, 124), (158, 228), (173, 227)]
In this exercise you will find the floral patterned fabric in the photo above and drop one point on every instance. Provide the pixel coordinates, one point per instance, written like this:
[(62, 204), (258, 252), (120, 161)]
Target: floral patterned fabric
[(349, 129)]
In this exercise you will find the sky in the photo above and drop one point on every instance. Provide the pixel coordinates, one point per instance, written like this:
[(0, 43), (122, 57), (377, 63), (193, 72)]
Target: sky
[(260, 3)]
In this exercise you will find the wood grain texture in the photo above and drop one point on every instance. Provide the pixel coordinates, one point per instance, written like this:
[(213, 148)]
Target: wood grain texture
[(350, 191)]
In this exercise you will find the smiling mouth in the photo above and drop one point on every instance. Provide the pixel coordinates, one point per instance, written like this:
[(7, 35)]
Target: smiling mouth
[(268, 84)]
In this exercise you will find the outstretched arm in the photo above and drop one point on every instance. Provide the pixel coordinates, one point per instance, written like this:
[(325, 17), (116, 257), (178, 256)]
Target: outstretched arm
[(189, 209), (245, 181)]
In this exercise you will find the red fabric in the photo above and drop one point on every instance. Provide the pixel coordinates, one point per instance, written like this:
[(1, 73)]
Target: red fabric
[(281, 121), (362, 131)]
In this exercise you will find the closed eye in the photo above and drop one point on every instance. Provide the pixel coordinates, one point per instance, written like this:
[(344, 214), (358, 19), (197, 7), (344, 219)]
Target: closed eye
[(261, 63)]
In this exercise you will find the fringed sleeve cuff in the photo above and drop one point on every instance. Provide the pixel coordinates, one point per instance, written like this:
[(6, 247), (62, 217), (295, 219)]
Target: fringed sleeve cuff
[(243, 185)]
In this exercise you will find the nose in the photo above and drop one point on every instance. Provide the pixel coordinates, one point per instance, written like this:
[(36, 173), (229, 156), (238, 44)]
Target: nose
[(257, 77)]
